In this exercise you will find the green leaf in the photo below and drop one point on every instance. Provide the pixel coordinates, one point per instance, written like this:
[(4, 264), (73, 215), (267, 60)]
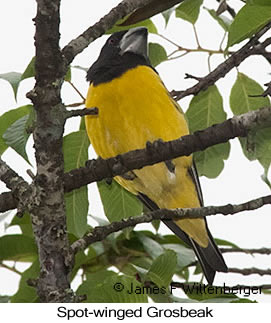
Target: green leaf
[(184, 273), (16, 136), (4, 299), (263, 147), (153, 248), (97, 278), (128, 269), (68, 75), (163, 268), (260, 2), (157, 54), (183, 300), (82, 124), (80, 259), (14, 80), (118, 203), (243, 300), (185, 256), (171, 238), (156, 224), (210, 163), (141, 272), (98, 248), (75, 149), (240, 97), (222, 242), (222, 299), (145, 23), (17, 247), (202, 292), (166, 15), (206, 109), (113, 289), (24, 223), (142, 262), (162, 297), (198, 270), (265, 179), (189, 10), (223, 21), (258, 144), (30, 70), (25, 293), (249, 20)]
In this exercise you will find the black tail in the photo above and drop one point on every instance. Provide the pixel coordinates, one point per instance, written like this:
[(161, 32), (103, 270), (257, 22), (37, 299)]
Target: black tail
[(210, 258)]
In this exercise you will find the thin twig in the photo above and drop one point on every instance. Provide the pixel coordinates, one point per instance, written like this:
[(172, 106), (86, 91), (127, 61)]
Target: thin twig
[(78, 44), (250, 271), (13, 269), (196, 36), (158, 151), (16, 184), (209, 63), (74, 105), (221, 70), (76, 90), (82, 112), (230, 10), (261, 251), (30, 173), (101, 232), (169, 40), (99, 169), (176, 57), (192, 50), (221, 43)]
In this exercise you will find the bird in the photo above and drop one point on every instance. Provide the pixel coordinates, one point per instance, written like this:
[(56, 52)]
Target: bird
[(134, 109)]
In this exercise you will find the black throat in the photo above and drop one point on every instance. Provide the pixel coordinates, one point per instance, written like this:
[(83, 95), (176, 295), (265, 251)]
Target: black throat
[(105, 69)]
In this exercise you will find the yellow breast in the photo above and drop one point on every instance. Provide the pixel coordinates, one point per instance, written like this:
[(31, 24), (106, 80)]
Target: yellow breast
[(133, 109)]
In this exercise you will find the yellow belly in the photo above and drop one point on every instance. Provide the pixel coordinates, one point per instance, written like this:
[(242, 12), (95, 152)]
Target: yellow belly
[(133, 109)]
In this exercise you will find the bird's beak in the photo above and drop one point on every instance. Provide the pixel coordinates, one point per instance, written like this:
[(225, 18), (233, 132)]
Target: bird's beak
[(135, 41)]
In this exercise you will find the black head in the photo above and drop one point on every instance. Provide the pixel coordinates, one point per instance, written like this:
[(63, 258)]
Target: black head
[(122, 51)]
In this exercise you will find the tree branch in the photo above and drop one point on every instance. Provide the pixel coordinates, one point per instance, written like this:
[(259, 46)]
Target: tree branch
[(78, 44), (262, 51), (81, 112), (99, 169), (12, 180), (96, 170), (47, 207), (250, 271), (99, 233), (13, 269), (230, 10), (261, 251), (18, 186), (250, 48), (7, 202)]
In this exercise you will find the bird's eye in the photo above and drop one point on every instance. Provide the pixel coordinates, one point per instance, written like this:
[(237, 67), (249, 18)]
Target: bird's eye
[(112, 41)]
